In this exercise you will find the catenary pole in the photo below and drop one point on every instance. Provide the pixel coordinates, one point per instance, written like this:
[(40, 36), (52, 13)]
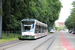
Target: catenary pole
[(0, 18)]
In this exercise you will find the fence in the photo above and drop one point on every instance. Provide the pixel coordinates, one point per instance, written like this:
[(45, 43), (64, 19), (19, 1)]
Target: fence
[(11, 34)]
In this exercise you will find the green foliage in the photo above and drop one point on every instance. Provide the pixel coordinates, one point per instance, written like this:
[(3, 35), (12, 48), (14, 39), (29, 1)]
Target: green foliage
[(0, 7), (46, 11), (6, 35), (70, 21)]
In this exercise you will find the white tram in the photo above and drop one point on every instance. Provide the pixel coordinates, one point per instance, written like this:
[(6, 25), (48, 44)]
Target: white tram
[(33, 29)]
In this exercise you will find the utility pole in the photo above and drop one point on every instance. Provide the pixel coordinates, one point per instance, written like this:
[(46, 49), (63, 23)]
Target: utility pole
[(0, 18)]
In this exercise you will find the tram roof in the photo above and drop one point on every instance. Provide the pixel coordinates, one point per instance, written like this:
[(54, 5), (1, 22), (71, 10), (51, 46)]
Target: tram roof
[(29, 20), (33, 20)]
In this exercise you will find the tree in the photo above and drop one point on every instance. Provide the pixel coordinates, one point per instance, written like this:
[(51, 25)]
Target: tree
[(70, 21), (46, 11)]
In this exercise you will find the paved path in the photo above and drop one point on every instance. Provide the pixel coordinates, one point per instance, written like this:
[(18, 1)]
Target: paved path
[(68, 40)]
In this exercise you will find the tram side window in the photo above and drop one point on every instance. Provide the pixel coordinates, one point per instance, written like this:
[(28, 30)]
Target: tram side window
[(46, 29), (37, 29), (42, 29)]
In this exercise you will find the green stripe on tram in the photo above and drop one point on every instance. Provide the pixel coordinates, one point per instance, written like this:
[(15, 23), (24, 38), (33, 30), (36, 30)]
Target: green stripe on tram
[(29, 37)]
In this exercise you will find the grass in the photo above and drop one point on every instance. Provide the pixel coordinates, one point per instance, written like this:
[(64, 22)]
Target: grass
[(4, 36), (8, 39), (12, 36)]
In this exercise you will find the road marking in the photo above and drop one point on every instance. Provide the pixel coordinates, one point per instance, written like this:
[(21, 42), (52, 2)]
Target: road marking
[(65, 43)]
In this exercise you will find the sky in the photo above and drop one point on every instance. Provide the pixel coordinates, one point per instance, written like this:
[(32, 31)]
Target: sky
[(65, 10)]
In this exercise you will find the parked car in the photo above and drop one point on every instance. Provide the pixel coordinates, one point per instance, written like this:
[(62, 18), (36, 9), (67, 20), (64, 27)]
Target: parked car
[(73, 32), (52, 30), (70, 31)]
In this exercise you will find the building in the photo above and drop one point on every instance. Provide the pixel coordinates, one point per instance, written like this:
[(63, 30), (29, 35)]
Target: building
[(60, 24)]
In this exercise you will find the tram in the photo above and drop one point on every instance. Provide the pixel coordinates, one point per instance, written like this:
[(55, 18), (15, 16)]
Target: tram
[(33, 29)]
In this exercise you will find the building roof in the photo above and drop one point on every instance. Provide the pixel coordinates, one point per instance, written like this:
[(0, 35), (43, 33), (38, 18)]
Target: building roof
[(61, 23)]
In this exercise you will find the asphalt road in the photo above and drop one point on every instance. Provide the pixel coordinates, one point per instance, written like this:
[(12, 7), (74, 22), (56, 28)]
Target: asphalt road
[(55, 41)]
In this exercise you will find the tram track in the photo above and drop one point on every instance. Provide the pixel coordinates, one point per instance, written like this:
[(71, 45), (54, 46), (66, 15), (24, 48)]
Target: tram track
[(11, 44), (51, 42), (46, 42)]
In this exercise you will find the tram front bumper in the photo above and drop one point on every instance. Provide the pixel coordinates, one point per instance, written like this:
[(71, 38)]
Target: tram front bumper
[(27, 37)]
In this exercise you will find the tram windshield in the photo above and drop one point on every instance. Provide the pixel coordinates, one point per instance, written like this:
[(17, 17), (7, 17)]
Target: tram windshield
[(28, 26)]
